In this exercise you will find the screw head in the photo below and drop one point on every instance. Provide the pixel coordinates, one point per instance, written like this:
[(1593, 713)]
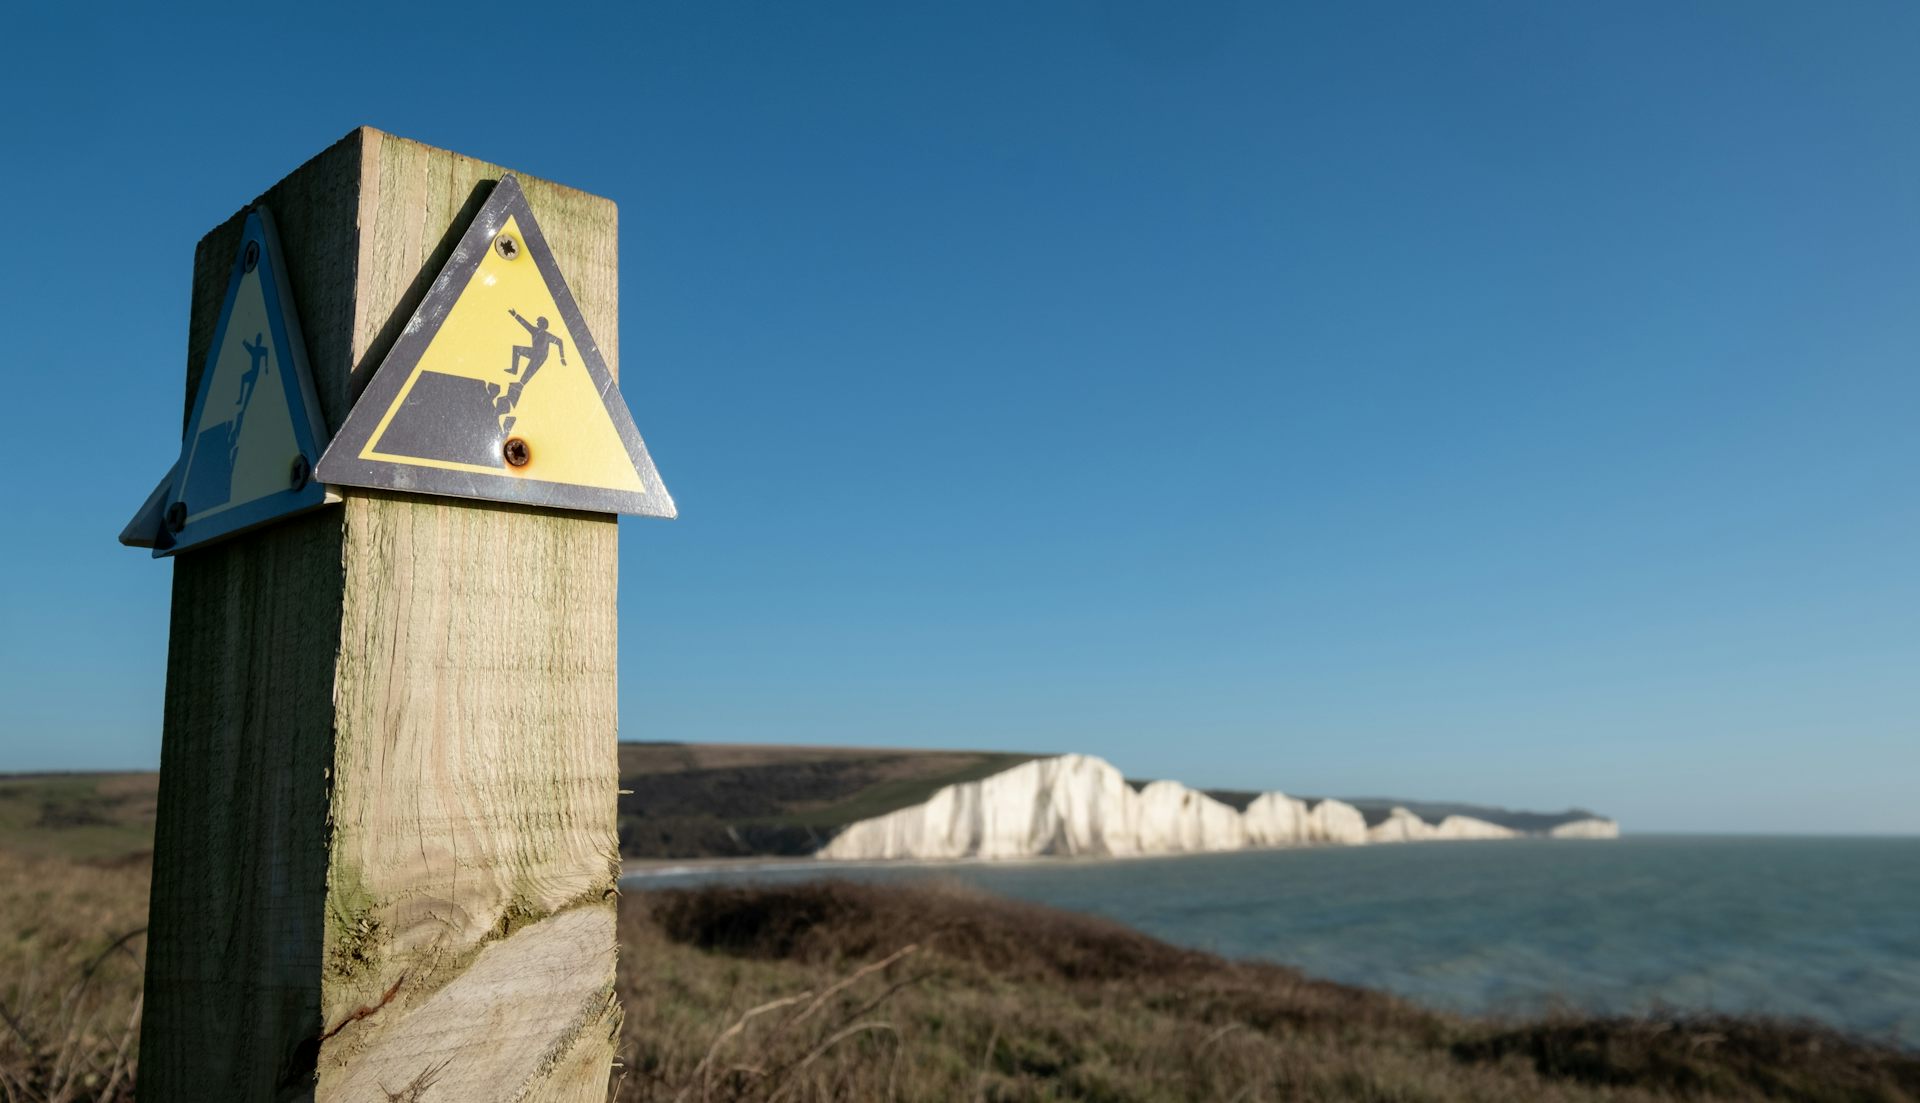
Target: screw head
[(516, 452), (176, 518), (506, 246), (302, 471), (253, 255)]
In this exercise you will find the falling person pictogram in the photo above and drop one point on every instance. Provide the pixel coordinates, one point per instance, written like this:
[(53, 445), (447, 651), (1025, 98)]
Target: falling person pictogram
[(257, 357), (540, 339)]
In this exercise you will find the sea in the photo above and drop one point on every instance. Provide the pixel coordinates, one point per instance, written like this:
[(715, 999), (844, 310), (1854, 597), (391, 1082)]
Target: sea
[(1818, 928)]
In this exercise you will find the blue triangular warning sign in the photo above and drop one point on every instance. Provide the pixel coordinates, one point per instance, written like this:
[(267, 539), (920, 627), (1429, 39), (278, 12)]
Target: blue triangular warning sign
[(255, 433)]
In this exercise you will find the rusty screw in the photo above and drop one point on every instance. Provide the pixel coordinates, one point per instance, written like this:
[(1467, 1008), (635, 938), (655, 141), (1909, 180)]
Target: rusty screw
[(253, 255), (302, 471), (517, 452), (176, 516), (506, 246)]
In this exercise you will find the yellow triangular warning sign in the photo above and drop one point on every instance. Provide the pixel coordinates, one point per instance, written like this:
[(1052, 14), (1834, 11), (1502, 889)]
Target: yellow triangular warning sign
[(497, 390)]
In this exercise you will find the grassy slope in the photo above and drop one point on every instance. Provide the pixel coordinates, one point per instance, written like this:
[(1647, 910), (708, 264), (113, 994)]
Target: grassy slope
[(835, 991), (987, 998), (93, 817)]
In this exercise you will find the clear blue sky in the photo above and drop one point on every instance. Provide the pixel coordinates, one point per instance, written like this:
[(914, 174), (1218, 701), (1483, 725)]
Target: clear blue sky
[(1506, 402)]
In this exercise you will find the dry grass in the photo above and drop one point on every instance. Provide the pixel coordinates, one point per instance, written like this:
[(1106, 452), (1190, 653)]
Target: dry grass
[(807, 993), (71, 947), (832, 991)]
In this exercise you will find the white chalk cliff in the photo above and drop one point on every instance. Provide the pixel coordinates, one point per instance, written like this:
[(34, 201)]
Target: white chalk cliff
[(1078, 805), (1586, 829), (1068, 805), (1173, 819), (1402, 826), (1276, 819)]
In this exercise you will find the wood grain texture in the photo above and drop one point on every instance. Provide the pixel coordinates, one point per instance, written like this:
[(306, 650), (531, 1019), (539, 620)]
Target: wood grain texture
[(387, 850)]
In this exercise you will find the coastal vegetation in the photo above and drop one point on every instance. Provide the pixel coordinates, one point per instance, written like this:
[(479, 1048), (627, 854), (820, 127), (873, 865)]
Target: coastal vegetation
[(828, 990)]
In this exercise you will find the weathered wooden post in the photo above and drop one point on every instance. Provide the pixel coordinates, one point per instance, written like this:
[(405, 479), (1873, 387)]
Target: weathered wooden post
[(386, 858)]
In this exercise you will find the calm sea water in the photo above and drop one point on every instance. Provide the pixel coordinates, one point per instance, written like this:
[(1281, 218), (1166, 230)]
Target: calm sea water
[(1823, 928)]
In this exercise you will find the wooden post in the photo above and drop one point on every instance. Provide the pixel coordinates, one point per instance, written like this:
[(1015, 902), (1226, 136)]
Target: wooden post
[(386, 857)]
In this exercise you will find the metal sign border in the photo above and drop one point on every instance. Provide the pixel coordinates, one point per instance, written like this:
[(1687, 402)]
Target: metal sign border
[(342, 465)]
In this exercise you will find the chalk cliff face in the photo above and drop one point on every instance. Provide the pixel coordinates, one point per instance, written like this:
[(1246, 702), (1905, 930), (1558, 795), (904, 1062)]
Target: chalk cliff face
[(1402, 826), (1587, 829), (1081, 805), (1275, 819), (1173, 819), (1468, 827), (1071, 805), (1336, 822)]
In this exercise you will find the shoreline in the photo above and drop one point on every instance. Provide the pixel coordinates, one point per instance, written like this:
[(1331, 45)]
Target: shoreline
[(640, 869), (643, 869)]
